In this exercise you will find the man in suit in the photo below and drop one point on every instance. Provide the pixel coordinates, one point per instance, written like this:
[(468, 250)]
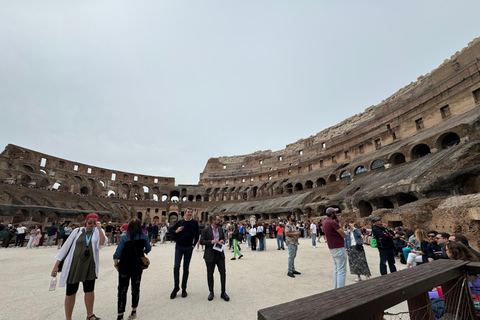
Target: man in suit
[(213, 236)]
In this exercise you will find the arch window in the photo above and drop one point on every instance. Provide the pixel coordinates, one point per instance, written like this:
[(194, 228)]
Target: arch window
[(332, 178), (56, 186), (448, 140), (321, 182), (397, 158), (345, 175), (308, 184), (155, 197), (298, 187), (378, 165), (360, 170), (111, 193), (420, 151)]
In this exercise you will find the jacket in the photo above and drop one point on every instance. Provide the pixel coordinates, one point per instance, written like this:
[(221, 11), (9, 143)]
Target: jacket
[(206, 240), (357, 234)]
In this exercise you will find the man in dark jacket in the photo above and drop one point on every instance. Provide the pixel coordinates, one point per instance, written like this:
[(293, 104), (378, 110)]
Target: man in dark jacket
[(186, 236), (385, 245), (213, 238)]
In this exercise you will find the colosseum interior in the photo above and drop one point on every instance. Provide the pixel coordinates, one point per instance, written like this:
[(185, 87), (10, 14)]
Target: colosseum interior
[(413, 159)]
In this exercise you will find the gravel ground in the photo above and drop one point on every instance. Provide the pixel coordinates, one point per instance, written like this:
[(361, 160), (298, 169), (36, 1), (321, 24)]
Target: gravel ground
[(255, 282)]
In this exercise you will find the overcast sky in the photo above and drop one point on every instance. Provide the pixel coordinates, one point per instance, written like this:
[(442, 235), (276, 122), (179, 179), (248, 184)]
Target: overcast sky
[(158, 87)]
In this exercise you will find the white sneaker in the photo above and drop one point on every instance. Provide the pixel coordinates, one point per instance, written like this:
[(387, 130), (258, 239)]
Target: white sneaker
[(130, 317), (314, 247), (357, 279)]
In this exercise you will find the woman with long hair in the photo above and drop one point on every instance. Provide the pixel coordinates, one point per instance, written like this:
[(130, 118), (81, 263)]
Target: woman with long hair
[(38, 236), (127, 260), (33, 234), (417, 256), (81, 264), (356, 253), (458, 251)]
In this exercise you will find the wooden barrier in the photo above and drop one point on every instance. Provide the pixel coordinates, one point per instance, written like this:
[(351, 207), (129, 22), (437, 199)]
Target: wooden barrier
[(368, 299)]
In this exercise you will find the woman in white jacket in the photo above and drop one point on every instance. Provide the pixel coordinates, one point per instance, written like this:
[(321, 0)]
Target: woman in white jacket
[(81, 253)]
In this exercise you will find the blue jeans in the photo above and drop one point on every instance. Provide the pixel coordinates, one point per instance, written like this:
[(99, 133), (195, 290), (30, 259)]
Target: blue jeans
[(340, 263), (260, 244), (292, 253), (280, 241), (314, 238), (387, 255), (249, 240)]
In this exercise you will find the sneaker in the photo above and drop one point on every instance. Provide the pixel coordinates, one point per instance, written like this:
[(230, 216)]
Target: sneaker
[(357, 279), (314, 247), (233, 258), (290, 274), (132, 316)]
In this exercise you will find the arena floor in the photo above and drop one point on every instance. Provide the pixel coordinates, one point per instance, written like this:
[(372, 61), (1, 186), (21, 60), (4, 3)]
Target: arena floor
[(255, 282)]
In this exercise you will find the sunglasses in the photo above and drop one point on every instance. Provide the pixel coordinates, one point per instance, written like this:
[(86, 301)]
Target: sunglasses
[(431, 236)]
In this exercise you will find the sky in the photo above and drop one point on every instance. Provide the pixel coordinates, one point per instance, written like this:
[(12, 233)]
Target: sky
[(158, 87)]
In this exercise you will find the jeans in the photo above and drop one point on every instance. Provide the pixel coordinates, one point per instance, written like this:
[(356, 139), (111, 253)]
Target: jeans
[(292, 253), (260, 243), (387, 255), (280, 241), (249, 240), (314, 238), (123, 282), (20, 239), (50, 240), (339, 256), (235, 248), (186, 252)]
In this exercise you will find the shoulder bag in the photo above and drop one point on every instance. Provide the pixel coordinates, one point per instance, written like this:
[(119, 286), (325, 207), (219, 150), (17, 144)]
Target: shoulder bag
[(143, 261)]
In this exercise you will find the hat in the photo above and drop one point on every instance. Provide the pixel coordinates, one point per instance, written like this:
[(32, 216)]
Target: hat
[(376, 219), (331, 210)]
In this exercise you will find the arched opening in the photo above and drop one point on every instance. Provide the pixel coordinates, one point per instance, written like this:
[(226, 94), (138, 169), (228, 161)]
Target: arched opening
[(111, 193), (206, 197), (172, 218), (84, 190), (420, 151), (360, 170), (298, 187), (56, 186), (156, 219), (198, 198), (139, 215), (190, 198), (289, 188), (42, 183), (448, 140), (174, 193), (377, 165), (28, 168), (365, 208), (52, 217), (19, 216), (164, 197), (25, 179), (175, 199), (397, 158), (332, 178), (184, 199), (386, 203), (345, 175), (404, 198), (308, 184), (254, 192), (155, 197), (146, 189), (321, 182)]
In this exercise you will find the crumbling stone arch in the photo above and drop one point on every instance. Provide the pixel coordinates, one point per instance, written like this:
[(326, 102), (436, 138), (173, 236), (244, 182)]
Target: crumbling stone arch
[(28, 168), (308, 184), (404, 198), (25, 179), (20, 215), (365, 208), (345, 174), (43, 183), (447, 140), (190, 197), (298, 187), (84, 190), (320, 182), (420, 150), (198, 198), (332, 178), (396, 158)]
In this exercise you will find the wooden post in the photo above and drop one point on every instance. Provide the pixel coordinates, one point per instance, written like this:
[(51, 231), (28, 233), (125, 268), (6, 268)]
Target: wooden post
[(419, 307)]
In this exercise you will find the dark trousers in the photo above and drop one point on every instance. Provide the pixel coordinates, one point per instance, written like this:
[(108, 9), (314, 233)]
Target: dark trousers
[(387, 255), (218, 261), (254, 243), (123, 282), (19, 240), (186, 253)]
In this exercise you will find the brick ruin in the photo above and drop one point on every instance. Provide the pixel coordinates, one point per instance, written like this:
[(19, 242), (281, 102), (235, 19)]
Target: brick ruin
[(413, 159)]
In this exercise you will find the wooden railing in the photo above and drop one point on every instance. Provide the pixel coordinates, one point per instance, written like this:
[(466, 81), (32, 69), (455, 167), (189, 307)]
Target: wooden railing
[(368, 299)]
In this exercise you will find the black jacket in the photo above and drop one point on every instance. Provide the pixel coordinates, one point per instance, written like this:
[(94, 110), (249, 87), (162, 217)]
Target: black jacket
[(206, 240)]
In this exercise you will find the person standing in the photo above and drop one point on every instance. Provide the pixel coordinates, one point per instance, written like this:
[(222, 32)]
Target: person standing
[(81, 254), (253, 237), (260, 236), (292, 234), (134, 245), (154, 233), (280, 239), (385, 244), (109, 229), (186, 235), (163, 233), (336, 245), (21, 232), (356, 252), (201, 226), (36, 242), (237, 238), (51, 232), (313, 231), (213, 236), (33, 234)]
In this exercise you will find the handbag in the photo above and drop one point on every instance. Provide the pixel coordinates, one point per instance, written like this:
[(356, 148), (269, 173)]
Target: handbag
[(143, 261), (373, 242)]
